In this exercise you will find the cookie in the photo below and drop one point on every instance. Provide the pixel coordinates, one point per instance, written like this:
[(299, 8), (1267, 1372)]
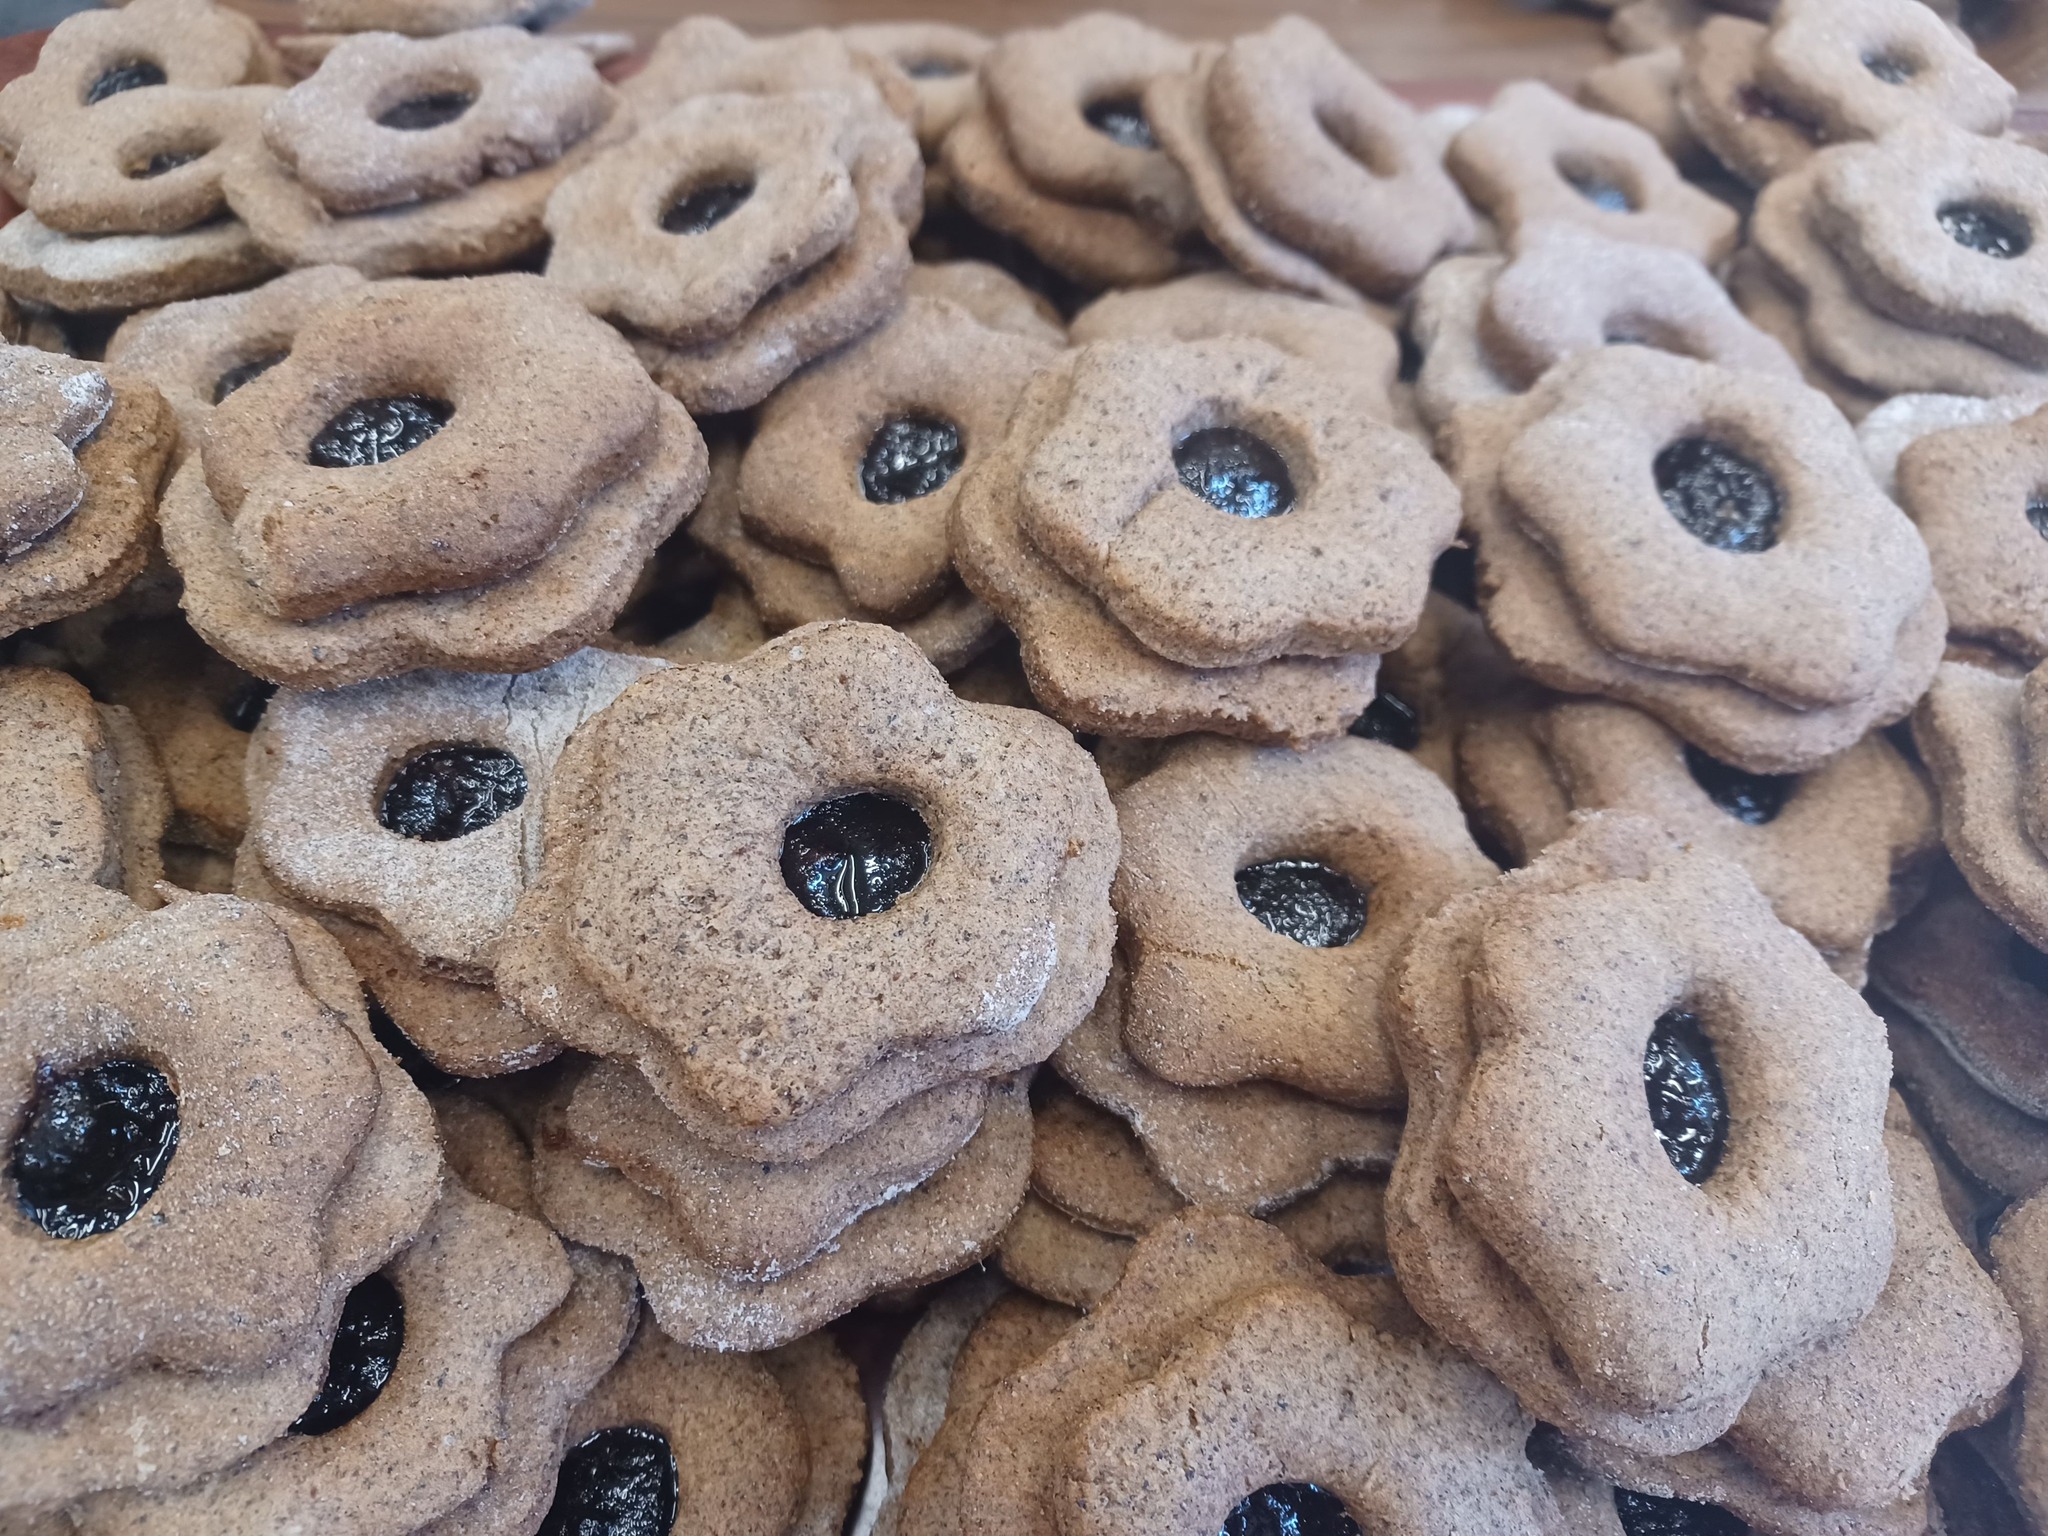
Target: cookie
[(988, 292), (452, 474), (1086, 1163), (431, 18), (2003, 1148), (1776, 310), (1061, 1260), (2016, 1249), (1755, 136), (1642, 88), (1446, 673), (1899, 422), (941, 61), (1855, 71), (707, 55)]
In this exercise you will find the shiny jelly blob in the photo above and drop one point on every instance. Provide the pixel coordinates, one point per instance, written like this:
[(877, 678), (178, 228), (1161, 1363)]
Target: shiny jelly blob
[(131, 76), (1290, 1509), (1234, 472), (617, 1482), (244, 707), (404, 1051), (376, 431), (235, 377), (361, 1359), (1302, 900), (909, 457), (1123, 119), (2037, 512), (1889, 68), (855, 855), (706, 208), (1645, 1514), (1602, 191), (1753, 799), (1391, 719), (1688, 1108), (94, 1146), (1986, 228), (1720, 497), (448, 792), (434, 109)]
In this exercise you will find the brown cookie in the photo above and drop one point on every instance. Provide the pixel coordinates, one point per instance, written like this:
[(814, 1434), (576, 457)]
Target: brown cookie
[(2001, 1147), (1775, 309), (2017, 1251), (1755, 135), (1086, 1163), (942, 62), (1053, 1256), (1857, 70), (1643, 88), (990, 294), (707, 55)]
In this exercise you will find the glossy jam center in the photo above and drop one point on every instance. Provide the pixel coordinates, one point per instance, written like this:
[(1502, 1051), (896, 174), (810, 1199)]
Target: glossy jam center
[(1290, 1509), (1889, 68), (1720, 497), (235, 377), (695, 212), (131, 76), (432, 109), (617, 1482), (447, 792), (362, 1358), (855, 855), (1645, 1514), (376, 431), (1234, 472), (1688, 1108), (1123, 119), (1598, 188), (94, 1146), (1391, 719), (1302, 900), (909, 457), (1751, 798), (1986, 229)]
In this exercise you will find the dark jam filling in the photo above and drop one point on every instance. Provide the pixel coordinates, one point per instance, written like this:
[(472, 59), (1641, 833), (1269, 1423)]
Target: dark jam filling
[(909, 457), (2037, 512), (1721, 498), (448, 792), (1688, 1108), (1888, 68), (1986, 229), (2027, 962), (1645, 1514), (855, 855), (706, 208), (1751, 798), (435, 109), (131, 76), (1456, 575), (242, 373), (408, 1055), (244, 707), (1391, 719), (1302, 900), (165, 161), (616, 1482), (1290, 1509), (1234, 472), (362, 1358), (934, 69), (1123, 119), (375, 431), (94, 1147), (1601, 191)]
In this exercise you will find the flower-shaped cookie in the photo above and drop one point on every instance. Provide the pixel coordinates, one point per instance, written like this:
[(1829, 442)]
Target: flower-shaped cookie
[(432, 18), (52, 404), (1308, 174), (877, 829), (1855, 68), (942, 62), (1264, 898), (1752, 133), (709, 56), (454, 473), (1644, 1160)]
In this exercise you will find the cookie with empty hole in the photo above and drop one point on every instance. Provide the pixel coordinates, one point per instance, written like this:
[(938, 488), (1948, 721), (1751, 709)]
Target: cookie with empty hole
[(1307, 173), (1755, 135), (460, 474), (942, 62), (1536, 155), (1695, 480), (1264, 897), (1856, 71), (855, 466), (1840, 852), (1677, 1031)]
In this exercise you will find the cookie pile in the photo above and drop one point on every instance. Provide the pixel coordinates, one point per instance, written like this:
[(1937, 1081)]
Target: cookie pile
[(1312, 817)]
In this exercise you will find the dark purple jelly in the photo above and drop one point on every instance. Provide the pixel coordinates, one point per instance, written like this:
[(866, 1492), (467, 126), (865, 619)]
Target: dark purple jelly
[(133, 75), (361, 1359), (855, 855), (94, 1146), (617, 1482), (1720, 497), (705, 208), (1302, 900), (1234, 472), (909, 457), (1123, 119), (1751, 798), (1987, 229), (379, 430), (1688, 1107), (1391, 719), (1290, 1509), (448, 792)]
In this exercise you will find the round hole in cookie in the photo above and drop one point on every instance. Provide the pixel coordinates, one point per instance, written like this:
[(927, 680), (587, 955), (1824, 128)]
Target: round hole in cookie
[(1688, 1106), (1989, 229), (1391, 719), (1605, 187), (1754, 799), (1303, 900), (377, 430), (1647, 1514), (1122, 120), (1235, 471), (1290, 1509), (94, 1146), (855, 855), (441, 793), (1724, 499), (429, 109), (909, 457), (1891, 68), (705, 208), (128, 75), (620, 1481), (234, 378), (2037, 511), (361, 1359)]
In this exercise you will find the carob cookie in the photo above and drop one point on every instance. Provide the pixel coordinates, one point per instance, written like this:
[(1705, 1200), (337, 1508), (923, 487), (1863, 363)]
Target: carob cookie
[(1307, 173), (2002, 1148), (1888, 430), (990, 294), (1264, 897), (708, 56), (2019, 1251), (1642, 88), (1447, 673), (428, 155), (737, 237), (1840, 852), (1053, 1256), (1601, 1253), (1648, 524), (1855, 68), (431, 18), (81, 454), (942, 62), (1536, 155), (1086, 1162), (140, 1047), (1754, 136), (855, 465), (457, 474)]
